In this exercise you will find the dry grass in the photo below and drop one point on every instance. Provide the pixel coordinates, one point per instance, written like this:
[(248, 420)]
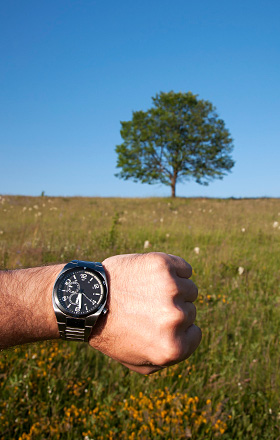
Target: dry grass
[(67, 391)]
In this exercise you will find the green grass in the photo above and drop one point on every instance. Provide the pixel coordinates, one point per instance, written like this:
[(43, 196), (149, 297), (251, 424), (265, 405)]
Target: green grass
[(229, 388)]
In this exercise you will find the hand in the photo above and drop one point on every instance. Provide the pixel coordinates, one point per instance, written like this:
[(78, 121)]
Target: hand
[(149, 324)]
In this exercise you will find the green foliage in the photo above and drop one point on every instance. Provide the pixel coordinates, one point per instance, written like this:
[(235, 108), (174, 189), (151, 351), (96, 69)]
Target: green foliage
[(181, 137), (229, 388)]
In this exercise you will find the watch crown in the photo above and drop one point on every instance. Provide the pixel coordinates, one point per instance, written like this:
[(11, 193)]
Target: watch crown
[(104, 311)]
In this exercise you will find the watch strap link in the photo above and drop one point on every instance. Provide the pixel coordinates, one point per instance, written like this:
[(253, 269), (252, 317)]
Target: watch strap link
[(74, 329)]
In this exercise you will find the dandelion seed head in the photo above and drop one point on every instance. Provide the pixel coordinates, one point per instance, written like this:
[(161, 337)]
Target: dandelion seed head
[(147, 244), (241, 270)]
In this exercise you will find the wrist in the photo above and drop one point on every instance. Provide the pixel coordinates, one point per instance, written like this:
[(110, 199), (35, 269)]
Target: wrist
[(26, 305)]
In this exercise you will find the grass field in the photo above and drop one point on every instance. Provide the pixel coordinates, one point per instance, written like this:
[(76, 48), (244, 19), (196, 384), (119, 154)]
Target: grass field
[(229, 388)]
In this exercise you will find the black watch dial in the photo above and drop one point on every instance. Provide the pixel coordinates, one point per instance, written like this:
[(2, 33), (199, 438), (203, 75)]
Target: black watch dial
[(80, 292)]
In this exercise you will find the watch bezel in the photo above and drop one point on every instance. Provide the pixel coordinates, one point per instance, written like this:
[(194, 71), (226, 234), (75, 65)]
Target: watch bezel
[(97, 274)]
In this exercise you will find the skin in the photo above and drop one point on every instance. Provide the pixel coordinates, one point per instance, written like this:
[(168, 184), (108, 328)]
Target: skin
[(150, 322)]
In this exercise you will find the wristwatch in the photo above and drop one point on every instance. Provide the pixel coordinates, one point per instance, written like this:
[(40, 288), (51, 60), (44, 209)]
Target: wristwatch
[(79, 297)]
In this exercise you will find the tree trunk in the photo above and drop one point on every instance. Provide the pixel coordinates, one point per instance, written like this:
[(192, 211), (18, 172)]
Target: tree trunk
[(173, 184)]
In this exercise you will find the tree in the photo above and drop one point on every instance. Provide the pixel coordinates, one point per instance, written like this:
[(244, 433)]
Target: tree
[(179, 138)]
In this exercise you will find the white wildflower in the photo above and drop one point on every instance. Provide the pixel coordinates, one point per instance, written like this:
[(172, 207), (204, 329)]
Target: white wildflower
[(243, 229), (196, 250), (1, 232), (147, 244), (53, 208), (241, 270), (29, 209), (167, 235), (275, 224), (161, 220), (24, 209), (35, 206)]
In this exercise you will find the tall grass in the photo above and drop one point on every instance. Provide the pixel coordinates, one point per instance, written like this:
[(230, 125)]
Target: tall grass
[(229, 388)]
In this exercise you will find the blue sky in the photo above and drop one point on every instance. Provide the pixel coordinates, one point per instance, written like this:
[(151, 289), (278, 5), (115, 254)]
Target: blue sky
[(72, 70)]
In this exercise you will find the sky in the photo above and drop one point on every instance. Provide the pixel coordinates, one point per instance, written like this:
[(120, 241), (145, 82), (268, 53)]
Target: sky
[(72, 70)]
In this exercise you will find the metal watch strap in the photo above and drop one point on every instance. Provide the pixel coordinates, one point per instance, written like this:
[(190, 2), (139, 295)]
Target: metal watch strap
[(78, 329)]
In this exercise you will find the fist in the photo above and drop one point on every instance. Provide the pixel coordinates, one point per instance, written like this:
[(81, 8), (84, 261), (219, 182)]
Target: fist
[(150, 319)]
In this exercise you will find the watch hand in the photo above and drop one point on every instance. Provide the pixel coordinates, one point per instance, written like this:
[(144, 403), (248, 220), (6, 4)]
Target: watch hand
[(91, 300)]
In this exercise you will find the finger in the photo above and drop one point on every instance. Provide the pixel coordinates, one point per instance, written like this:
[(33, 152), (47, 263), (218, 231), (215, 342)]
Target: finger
[(182, 268), (143, 369), (185, 316), (187, 290), (192, 339), (186, 343), (189, 310)]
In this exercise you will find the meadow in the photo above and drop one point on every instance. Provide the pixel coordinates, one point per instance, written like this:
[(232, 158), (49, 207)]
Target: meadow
[(229, 388)]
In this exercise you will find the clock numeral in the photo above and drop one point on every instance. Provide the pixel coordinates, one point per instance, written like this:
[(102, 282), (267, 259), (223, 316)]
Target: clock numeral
[(77, 309), (95, 286), (83, 276)]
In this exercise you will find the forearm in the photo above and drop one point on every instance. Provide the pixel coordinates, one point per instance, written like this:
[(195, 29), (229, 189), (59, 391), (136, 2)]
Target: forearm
[(26, 311)]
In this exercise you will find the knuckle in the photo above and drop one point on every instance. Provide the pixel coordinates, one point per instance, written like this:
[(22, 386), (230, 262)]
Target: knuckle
[(159, 261), (169, 285), (176, 318), (170, 352)]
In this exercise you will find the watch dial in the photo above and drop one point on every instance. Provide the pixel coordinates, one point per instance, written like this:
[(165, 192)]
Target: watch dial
[(80, 292)]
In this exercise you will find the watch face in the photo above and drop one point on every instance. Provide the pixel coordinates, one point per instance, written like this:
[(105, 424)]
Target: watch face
[(80, 292)]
